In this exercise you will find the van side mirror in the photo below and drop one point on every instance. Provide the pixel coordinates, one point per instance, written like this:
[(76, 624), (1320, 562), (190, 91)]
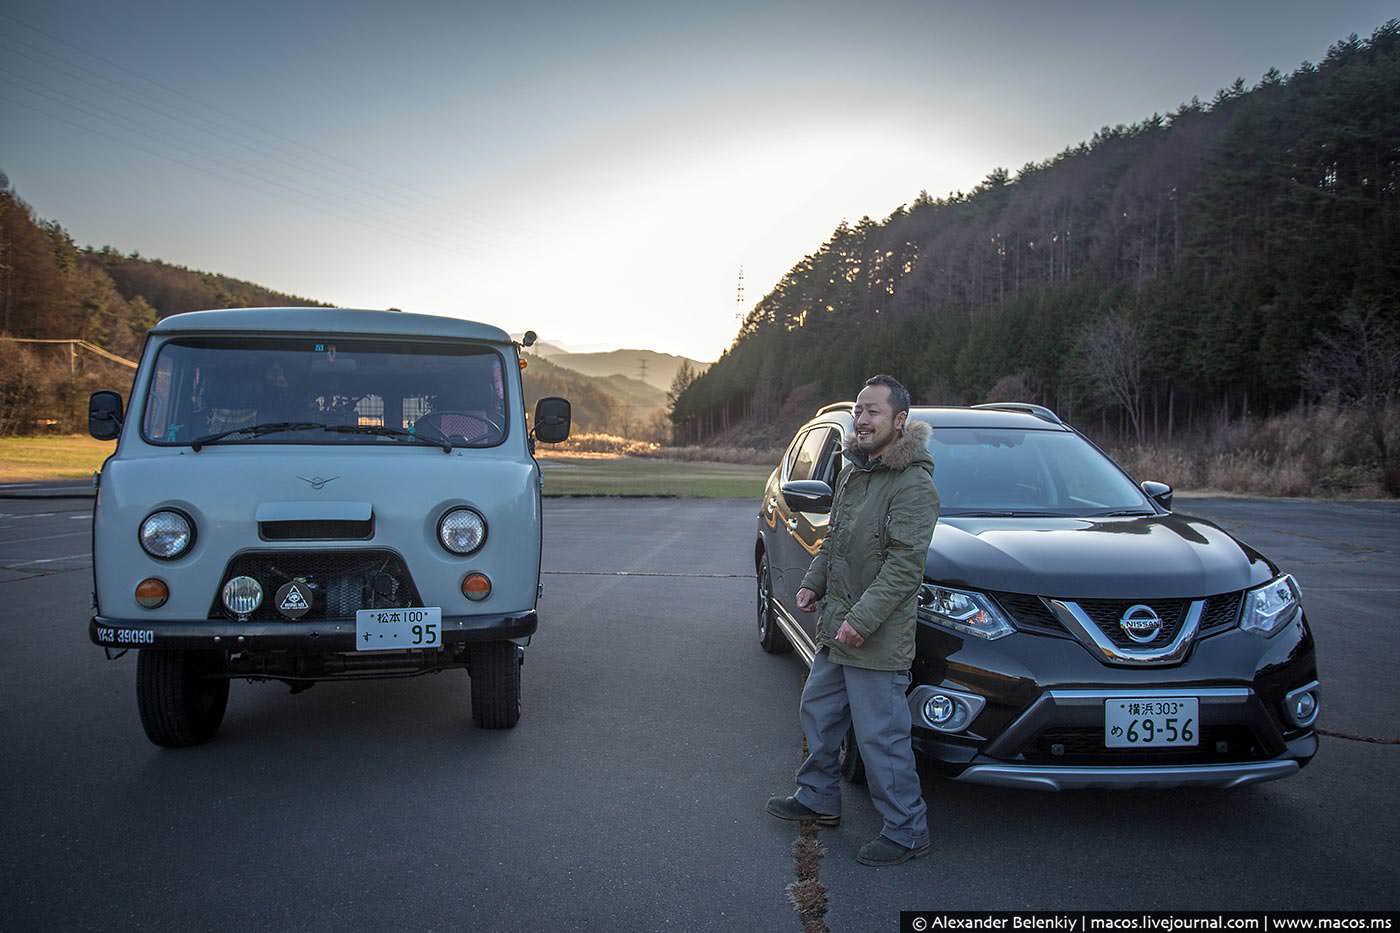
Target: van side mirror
[(105, 415), (1159, 493), (552, 419), (807, 495)]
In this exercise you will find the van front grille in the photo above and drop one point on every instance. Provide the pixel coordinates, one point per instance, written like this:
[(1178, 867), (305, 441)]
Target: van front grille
[(340, 582)]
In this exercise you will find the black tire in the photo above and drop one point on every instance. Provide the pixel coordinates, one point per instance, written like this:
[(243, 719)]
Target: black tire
[(180, 695), (495, 674), (770, 635), (852, 767)]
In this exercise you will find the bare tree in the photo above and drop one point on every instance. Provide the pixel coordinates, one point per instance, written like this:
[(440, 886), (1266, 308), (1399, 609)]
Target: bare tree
[(1112, 356), (1359, 365)]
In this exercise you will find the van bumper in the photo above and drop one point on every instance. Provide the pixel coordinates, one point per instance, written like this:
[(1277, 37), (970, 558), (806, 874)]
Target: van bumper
[(319, 637)]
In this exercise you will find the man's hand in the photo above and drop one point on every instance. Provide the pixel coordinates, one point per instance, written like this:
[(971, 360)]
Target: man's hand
[(848, 636), (807, 599)]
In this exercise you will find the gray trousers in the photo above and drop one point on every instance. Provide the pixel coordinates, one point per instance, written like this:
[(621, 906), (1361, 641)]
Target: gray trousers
[(837, 696)]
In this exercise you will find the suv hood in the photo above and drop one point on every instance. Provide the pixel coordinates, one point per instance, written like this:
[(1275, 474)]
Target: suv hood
[(1144, 557)]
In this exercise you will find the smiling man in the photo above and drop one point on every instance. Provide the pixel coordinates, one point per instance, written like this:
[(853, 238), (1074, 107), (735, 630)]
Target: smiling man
[(867, 576)]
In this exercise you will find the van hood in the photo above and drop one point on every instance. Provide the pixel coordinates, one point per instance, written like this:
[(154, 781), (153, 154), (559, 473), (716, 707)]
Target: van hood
[(1139, 557)]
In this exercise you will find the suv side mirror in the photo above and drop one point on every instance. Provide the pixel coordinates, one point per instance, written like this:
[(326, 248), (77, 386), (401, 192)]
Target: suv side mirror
[(105, 415), (807, 495), (1159, 493), (552, 418)]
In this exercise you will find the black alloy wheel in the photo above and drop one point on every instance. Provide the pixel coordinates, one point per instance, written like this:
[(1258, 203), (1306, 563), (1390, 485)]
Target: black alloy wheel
[(770, 636)]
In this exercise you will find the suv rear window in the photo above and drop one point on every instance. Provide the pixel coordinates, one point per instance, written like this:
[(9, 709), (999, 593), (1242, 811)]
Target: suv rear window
[(202, 386)]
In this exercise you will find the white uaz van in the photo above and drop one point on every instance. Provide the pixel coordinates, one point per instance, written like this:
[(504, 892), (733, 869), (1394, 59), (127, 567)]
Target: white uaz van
[(305, 494)]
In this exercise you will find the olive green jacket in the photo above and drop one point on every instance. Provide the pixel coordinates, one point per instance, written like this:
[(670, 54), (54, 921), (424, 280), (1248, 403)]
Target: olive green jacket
[(871, 563)]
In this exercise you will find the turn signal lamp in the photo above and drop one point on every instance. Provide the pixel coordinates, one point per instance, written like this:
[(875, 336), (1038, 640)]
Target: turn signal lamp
[(152, 593), (476, 586)]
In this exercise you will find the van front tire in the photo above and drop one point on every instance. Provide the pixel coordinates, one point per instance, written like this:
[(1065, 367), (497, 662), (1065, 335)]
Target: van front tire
[(180, 696), (495, 674)]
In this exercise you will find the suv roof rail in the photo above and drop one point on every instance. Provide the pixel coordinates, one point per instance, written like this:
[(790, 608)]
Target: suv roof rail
[(835, 406), (1040, 411)]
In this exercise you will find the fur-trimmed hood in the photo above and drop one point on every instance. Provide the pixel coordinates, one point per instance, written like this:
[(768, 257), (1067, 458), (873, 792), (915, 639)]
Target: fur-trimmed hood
[(904, 451)]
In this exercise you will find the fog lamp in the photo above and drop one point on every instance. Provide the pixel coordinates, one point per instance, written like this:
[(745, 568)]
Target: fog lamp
[(242, 595), (476, 586), (151, 593), (939, 709), (1304, 708)]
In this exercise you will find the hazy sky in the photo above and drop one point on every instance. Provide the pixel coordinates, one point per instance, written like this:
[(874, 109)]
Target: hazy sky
[(598, 172)]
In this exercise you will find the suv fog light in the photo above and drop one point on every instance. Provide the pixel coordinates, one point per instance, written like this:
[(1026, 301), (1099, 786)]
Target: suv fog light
[(476, 586), (152, 593), (939, 710), (1304, 708), (242, 595)]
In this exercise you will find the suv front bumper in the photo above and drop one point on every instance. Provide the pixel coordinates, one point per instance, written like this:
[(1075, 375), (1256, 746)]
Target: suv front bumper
[(323, 636)]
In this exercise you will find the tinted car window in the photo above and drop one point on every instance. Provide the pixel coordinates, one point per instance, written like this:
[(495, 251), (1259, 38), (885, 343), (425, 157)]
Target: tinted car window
[(1001, 470), (809, 455)]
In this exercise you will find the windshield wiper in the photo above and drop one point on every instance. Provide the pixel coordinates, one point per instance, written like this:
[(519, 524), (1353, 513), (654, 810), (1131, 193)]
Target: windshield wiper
[(256, 430), (1007, 513), (382, 431), (1122, 512)]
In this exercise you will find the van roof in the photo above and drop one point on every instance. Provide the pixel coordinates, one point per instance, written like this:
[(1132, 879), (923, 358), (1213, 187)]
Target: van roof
[(322, 321)]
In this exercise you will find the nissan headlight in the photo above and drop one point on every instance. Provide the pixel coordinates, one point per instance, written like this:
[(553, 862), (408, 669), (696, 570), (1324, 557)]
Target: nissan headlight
[(462, 531), (165, 535), (964, 611), (1272, 606)]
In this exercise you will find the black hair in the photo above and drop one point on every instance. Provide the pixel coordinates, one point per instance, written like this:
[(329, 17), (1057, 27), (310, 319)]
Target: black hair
[(899, 396)]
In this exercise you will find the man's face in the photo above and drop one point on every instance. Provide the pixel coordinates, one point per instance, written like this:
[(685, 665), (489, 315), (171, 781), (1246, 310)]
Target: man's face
[(875, 420)]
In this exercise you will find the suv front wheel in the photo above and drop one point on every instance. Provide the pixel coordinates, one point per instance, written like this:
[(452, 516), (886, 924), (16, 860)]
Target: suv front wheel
[(770, 637)]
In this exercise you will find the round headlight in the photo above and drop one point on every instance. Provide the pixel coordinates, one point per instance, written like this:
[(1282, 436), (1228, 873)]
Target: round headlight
[(462, 531), (166, 535), (242, 595)]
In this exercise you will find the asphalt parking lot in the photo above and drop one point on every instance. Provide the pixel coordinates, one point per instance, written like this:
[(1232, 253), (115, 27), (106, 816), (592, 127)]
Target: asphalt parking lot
[(630, 797)]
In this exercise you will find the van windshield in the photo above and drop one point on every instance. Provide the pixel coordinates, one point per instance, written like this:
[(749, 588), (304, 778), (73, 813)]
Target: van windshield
[(331, 391)]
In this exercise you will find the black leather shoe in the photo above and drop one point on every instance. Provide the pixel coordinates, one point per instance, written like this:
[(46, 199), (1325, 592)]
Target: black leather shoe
[(885, 851), (788, 808)]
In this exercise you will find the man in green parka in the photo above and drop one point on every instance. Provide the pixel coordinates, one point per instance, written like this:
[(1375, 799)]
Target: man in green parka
[(867, 577)]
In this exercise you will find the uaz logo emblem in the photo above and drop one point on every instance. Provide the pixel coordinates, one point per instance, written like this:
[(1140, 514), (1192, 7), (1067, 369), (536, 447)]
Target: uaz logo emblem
[(316, 481)]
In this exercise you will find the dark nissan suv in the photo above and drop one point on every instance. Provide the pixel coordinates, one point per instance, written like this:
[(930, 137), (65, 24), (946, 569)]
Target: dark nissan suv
[(1073, 630)]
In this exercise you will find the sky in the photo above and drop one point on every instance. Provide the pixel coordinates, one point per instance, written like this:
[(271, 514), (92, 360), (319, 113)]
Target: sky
[(596, 172)]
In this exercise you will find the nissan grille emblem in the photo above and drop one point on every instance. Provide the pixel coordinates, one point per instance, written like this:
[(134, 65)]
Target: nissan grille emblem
[(1141, 623), (317, 482)]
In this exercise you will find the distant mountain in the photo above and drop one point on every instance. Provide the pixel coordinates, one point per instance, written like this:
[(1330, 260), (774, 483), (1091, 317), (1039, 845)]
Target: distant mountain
[(173, 289), (660, 368), (611, 404), (541, 347)]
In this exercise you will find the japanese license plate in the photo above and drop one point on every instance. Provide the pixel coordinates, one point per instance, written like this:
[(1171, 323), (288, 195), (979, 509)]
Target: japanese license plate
[(1155, 723), (397, 629)]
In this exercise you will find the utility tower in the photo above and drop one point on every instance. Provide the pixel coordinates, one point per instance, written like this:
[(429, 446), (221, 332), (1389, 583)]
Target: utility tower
[(739, 298), (642, 369)]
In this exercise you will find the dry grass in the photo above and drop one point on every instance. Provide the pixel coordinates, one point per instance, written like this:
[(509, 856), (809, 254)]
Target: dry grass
[(40, 458), (1323, 452)]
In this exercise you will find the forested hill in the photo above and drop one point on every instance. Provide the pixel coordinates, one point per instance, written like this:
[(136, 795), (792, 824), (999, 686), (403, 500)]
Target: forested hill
[(1201, 252)]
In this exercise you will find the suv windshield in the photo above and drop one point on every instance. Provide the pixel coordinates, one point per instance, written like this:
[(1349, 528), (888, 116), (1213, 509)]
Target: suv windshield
[(1000, 471), (331, 391)]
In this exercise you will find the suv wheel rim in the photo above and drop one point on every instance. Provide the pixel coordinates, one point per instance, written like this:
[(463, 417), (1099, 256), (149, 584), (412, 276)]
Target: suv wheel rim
[(763, 598)]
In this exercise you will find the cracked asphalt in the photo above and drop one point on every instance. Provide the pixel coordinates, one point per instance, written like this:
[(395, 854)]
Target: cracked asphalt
[(630, 797)]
